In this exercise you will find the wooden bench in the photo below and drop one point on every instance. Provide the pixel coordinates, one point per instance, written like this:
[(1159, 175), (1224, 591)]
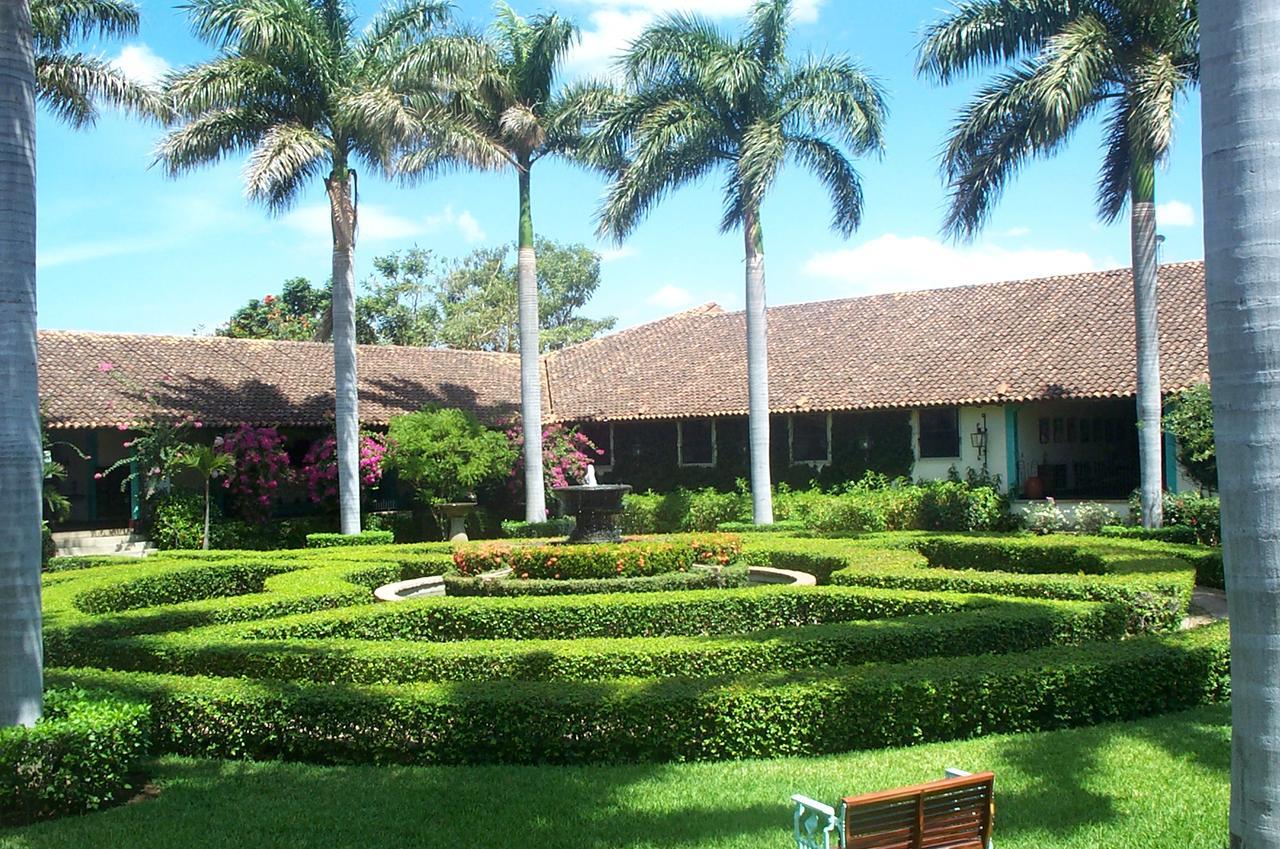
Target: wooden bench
[(956, 812)]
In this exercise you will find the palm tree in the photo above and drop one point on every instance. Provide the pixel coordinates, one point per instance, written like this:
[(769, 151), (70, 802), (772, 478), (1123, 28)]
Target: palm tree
[(701, 101), (70, 83), (209, 463), (21, 466), (1241, 115), (304, 93), (1129, 60), (511, 116)]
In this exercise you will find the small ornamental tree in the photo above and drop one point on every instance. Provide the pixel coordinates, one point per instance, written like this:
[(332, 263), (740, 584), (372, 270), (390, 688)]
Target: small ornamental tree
[(319, 469), (1190, 420), (261, 466), (445, 454), (566, 453)]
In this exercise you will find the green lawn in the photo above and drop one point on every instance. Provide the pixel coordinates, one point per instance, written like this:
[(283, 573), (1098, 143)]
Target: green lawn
[(1159, 782)]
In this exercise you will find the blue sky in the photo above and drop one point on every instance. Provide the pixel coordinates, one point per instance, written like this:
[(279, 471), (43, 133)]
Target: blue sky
[(123, 248)]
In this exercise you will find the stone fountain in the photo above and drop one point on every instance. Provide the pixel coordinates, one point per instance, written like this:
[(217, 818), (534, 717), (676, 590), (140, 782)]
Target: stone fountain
[(595, 508)]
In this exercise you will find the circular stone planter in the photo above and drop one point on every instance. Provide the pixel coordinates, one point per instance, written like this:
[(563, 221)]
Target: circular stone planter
[(456, 512), (432, 585)]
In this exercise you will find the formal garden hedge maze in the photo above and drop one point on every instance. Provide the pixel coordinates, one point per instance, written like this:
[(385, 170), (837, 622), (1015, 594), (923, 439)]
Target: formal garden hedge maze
[(907, 638)]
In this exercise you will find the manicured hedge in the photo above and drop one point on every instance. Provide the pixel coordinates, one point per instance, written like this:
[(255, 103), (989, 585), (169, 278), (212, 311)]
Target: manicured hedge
[(796, 713), (1009, 626), (559, 527), (1169, 533), (695, 579), (779, 527), (635, 559), (81, 755), (688, 613), (341, 540)]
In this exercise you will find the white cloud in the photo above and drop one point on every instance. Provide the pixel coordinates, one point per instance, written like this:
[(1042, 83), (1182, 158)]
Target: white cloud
[(671, 297), (1175, 213), (894, 263), (141, 64), (1017, 232), (613, 24), (615, 254), (378, 224)]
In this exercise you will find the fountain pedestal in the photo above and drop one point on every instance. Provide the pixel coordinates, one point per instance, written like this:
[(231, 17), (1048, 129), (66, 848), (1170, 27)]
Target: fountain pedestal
[(456, 513), (595, 509)]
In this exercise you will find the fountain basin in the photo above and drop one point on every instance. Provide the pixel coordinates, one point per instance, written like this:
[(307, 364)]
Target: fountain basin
[(596, 510)]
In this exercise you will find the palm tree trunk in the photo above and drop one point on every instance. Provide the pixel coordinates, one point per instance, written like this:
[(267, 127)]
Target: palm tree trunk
[(21, 469), (757, 373), (346, 403), (535, 499), (1150, 441), (205, 546), (1241, 122)]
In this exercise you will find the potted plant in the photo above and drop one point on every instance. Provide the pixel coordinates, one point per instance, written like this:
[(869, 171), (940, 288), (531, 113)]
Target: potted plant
[(445, 454)]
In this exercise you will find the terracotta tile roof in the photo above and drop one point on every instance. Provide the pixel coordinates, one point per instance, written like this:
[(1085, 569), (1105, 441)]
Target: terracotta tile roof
[(227, 381), (1057, 337)]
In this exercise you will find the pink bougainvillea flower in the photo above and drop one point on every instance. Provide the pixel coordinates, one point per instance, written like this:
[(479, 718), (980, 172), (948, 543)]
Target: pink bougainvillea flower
[(197, 425), (122, 426), (97, 476), (105, 366)]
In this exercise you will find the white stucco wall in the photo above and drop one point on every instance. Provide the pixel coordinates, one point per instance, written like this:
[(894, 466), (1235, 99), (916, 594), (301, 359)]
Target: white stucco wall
[(937, 468)]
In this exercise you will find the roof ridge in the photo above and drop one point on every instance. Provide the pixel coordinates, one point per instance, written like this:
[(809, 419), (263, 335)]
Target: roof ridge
[(234, 340)]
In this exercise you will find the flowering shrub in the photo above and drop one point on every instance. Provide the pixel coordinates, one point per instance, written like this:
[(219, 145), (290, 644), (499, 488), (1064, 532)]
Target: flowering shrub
[(319, 471), (1045, 517), (566, 453), (633, 559), (261, 465)]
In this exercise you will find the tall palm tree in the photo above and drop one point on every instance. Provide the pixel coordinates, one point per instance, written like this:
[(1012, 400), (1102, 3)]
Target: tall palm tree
[(70, 84), (306, 95), (21, 467), (1065, 62), (1241, 115), (512, 115), (701, 101)]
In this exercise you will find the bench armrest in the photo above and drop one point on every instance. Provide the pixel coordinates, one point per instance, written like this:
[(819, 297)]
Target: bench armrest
[(813, 824)]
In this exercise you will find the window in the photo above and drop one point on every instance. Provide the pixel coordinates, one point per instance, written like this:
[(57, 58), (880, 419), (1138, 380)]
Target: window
[(940, 432), (601, 436), (697, 440), (811, 439)]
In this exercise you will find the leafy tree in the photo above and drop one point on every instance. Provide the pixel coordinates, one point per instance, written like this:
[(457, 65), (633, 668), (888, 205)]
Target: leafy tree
[(1067, 62), (515, 114), (478, 305), (297, 314), (701, 101), (446, 454), (307, 95), (72, 84), (1190, 420), (401, 306)]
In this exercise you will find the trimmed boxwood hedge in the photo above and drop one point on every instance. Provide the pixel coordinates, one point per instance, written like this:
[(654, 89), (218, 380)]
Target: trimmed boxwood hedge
[(695, 579), (796, 713), (1168, 533), (637, 558), (81, 755), (326, 540), (1006, 627)]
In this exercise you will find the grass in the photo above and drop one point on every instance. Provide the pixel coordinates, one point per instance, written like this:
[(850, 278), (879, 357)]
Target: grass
[(1151, 784)]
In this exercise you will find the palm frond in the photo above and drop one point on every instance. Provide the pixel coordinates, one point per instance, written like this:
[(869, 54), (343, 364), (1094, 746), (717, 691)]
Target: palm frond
[(676, 46), (761, 155), (446, 141), (835, 95), (285, 157), (520, 129), (57, 23), (987, 32), (262, 28), (73, 85), (550, 39), (830, 165), (455, 62), (1154, 86), (401, 25), (768, 30), (207, 138), (568, 120), (1116, 176), (231, 81)]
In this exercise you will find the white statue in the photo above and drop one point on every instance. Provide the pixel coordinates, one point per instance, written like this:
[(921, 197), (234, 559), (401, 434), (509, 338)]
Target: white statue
[(591, 475)]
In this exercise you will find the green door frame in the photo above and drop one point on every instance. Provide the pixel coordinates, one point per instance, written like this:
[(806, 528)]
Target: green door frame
[(1011, 447)]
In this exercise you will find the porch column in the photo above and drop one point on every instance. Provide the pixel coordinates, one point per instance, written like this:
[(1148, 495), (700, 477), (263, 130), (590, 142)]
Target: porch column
[(1011, 448)]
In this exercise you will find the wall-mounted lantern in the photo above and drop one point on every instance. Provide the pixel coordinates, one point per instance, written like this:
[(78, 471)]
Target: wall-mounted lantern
[(978, 439)]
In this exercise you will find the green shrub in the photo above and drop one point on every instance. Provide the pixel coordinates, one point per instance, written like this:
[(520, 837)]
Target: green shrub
[(177, 521), (654, 513), (1201, 514), (956, 506), (848, 513), (81, 755), (709, 508), (558, 527), (779, 526), (695, 579), (1045, 517), (445, 454), (1169, 533), (765, 715), (48, 549), (342, 540), (602, 560)]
